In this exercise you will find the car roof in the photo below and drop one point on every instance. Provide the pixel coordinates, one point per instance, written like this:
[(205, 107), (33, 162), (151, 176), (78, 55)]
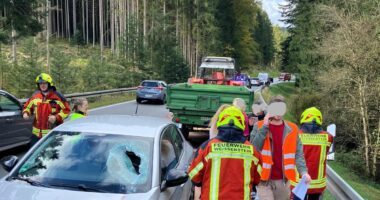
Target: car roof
[(152, 81), (117, 124)]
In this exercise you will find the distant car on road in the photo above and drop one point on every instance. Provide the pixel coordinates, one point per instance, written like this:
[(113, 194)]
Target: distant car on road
[(14, 130), (265, 79), (151, 90), (243, 78), (103, 157), (285, 77), (255, 81)]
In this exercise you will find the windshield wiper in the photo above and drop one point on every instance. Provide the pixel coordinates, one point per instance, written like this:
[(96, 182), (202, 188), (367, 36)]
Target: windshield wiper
[(30, 181), (81, 187)]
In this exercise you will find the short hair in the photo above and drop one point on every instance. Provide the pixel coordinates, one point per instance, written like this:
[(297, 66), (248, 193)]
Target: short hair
[(239, 103), (277, 98)]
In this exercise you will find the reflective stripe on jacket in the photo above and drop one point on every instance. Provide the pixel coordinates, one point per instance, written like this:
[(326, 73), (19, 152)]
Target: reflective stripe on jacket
[(226, 170), (315, 148), (42, 106)]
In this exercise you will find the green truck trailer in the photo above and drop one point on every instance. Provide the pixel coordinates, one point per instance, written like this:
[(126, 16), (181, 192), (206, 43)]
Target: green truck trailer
[(193, 105)]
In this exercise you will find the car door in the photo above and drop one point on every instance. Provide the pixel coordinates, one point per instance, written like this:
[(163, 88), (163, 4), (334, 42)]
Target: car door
[(14, 130), (172, 156)]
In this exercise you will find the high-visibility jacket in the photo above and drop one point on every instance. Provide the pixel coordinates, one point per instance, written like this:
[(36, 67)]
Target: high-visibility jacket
[(76, 115), (316, 147), (289, 149), (226, 170), (53, 103)]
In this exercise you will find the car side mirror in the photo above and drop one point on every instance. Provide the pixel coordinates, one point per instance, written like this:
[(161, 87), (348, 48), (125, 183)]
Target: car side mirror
[(9, 162), (173, 178)]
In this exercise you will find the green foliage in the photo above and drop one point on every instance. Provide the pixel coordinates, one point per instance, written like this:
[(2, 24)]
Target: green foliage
[(21, 16), (263, 35)]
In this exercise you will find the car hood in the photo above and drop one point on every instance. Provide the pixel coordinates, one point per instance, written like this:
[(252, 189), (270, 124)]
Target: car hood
[(17, 190)]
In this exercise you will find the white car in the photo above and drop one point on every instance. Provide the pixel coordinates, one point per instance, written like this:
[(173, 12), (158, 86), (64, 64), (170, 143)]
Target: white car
[(103, 157)]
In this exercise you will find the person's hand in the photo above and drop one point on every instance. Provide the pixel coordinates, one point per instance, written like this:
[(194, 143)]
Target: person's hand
[(266, 119), (307, 178), (52, 119), (25, 116)]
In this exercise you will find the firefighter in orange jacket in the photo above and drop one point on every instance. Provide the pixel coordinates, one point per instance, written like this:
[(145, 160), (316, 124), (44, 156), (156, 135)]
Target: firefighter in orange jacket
[(227, 166), (49, 107), (316, 144)]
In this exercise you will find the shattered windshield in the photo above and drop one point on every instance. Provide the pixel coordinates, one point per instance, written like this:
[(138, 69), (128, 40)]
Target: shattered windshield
[(92, 162)]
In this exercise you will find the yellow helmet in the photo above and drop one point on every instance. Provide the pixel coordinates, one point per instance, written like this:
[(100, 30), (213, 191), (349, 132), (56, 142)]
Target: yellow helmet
[(231, 116), (43, 77), (310, 115)]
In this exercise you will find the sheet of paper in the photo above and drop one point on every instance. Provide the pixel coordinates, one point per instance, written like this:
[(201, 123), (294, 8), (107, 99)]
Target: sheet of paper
[(301, 188)]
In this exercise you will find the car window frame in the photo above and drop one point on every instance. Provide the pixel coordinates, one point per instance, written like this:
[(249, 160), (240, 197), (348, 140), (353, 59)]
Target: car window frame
[(180, 156), (12, 99)]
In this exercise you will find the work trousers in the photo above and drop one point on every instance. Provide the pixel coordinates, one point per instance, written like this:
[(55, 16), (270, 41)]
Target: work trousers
[(273, 190)]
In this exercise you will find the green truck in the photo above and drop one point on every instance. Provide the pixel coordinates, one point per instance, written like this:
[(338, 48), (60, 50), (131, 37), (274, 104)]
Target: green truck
[(194, 104)]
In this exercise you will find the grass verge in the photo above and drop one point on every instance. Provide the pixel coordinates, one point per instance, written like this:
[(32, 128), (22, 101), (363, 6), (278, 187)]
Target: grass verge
[(366, 188), (95, 102)]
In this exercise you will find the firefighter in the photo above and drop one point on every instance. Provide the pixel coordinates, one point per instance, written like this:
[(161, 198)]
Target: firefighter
[(48, 106), (227, 166), (281, 150), (316, 144)]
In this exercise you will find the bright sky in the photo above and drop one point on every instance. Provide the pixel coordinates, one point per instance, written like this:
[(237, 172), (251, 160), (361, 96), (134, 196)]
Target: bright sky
[(273, 10)]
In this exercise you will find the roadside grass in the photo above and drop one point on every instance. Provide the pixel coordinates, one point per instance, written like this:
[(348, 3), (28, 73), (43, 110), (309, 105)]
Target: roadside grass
[(367, 188), (95, 102)]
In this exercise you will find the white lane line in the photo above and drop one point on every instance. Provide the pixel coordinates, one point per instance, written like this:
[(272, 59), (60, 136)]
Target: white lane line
[(104, 107)]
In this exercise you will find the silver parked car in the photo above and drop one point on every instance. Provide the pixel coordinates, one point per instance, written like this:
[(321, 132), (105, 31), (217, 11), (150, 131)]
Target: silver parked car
[(14, 130), (103, 157), (151, 90)]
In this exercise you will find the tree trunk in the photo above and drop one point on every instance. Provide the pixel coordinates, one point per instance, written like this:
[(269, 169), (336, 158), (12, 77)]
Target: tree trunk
[(101, 28), (83, 23), (87, 19), (112, 16), (58, 24), (376, 151), (47, 36), (144, 24), (364, 124), (14, 54), (93, 23), (74, 16)]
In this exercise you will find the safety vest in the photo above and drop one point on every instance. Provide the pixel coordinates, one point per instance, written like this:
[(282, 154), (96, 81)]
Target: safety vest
[(75, 116), (315, 148), (289, 148)]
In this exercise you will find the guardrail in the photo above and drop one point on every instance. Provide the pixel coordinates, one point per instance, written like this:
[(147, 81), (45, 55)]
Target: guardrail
[(95, 93), (339, 188)]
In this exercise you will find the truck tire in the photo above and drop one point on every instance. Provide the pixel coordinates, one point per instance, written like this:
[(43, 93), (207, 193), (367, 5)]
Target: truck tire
[(185, 132)]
